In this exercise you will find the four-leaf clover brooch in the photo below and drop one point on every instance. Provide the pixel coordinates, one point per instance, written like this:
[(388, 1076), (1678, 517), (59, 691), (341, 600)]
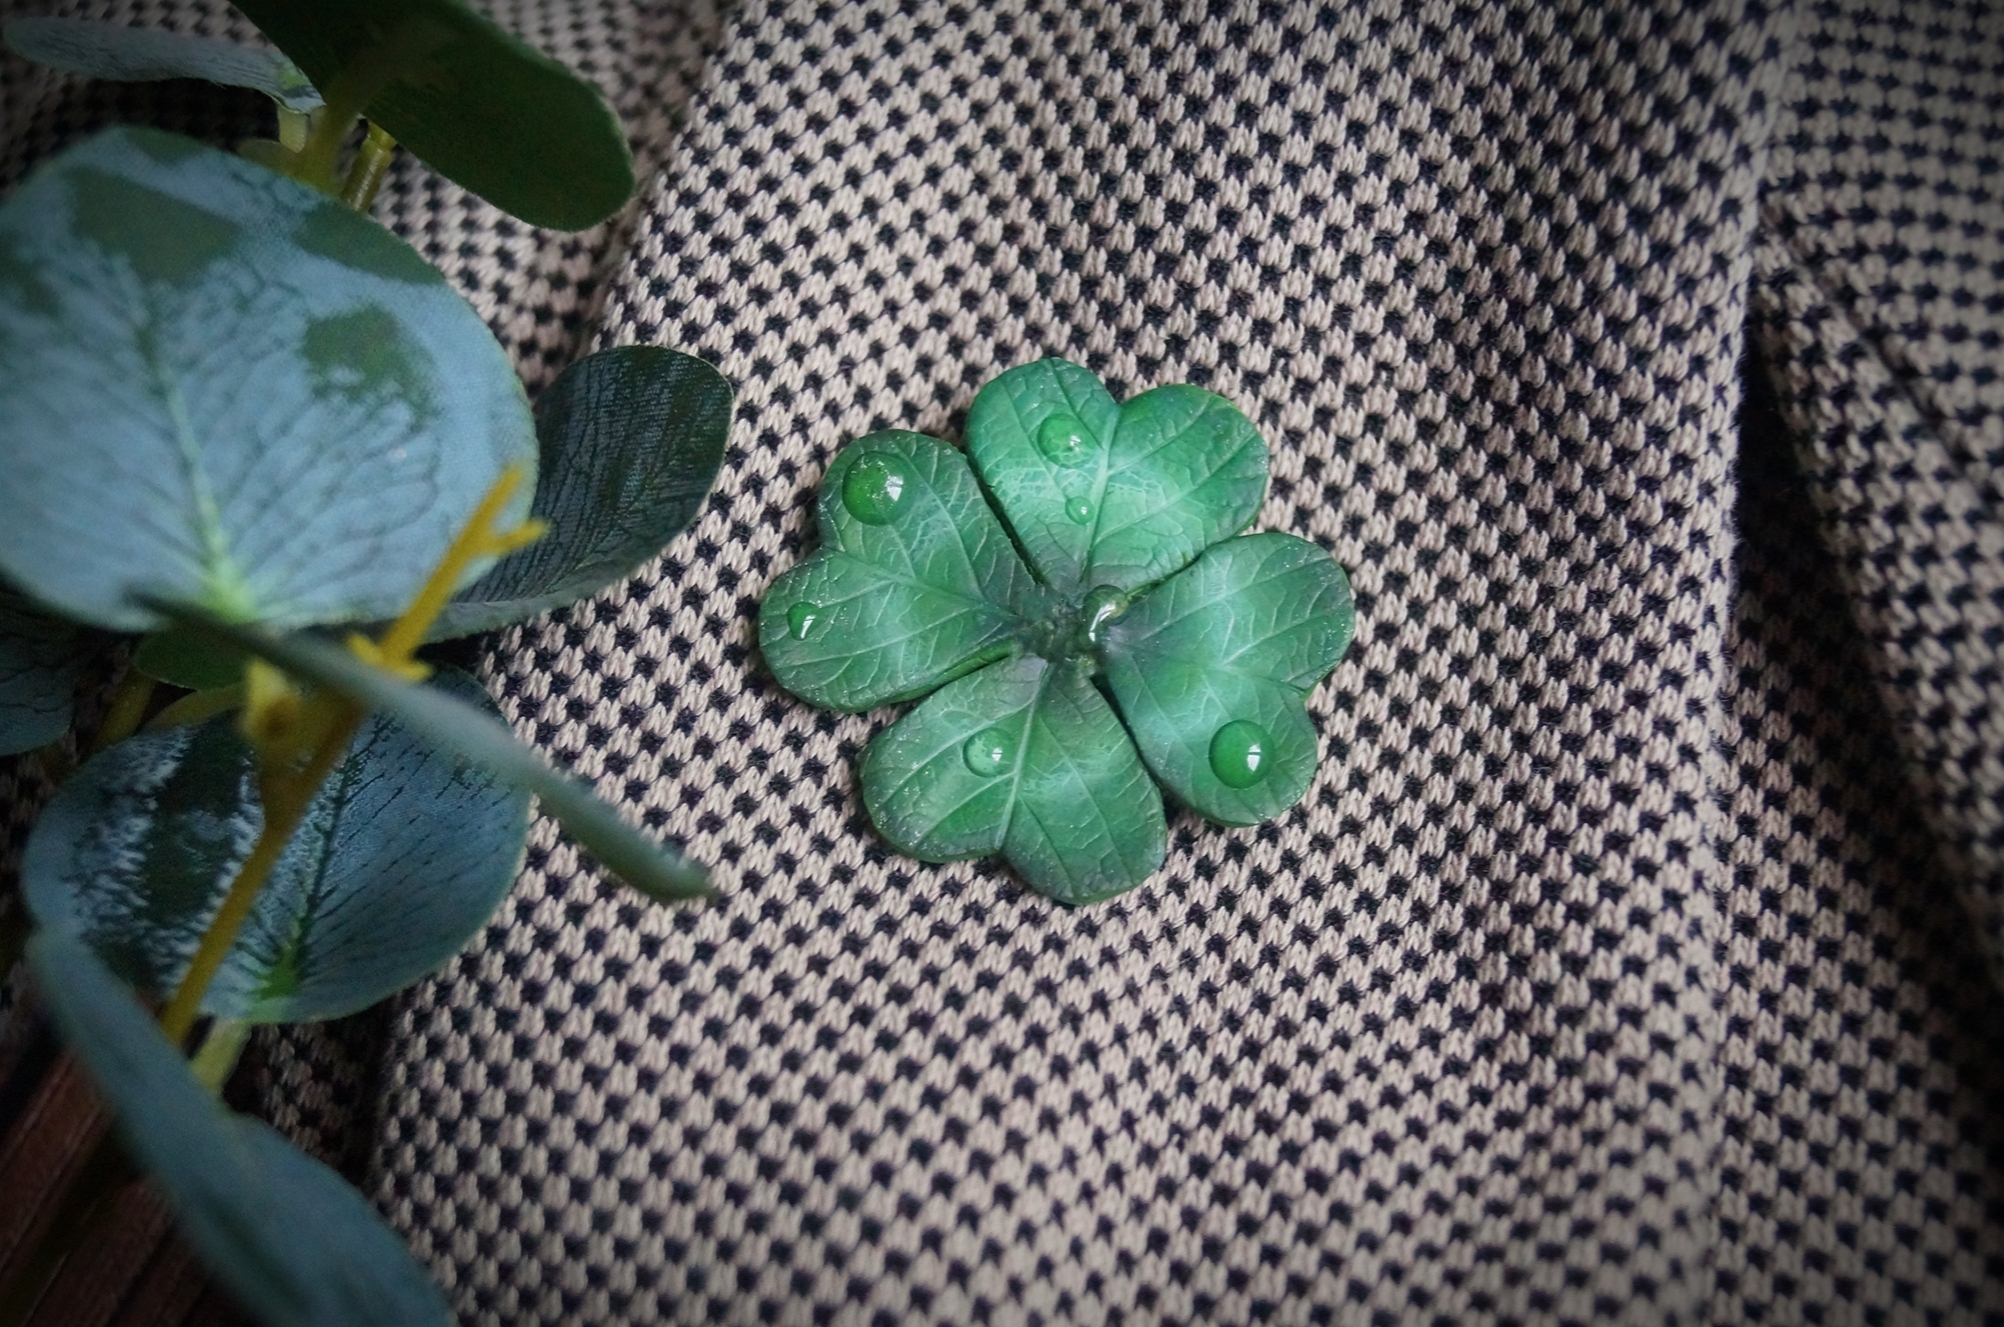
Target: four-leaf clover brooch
[(1122, 632)]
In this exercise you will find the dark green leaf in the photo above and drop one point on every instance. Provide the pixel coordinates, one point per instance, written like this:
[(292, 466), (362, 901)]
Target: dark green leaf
[(401, 859), (290, 1239), (142, 55), (657, 870), (631, 441), (219, 387), (183, 659), (479, 106), (1239, 638), (1105, 495), (41, 658), (1026, 759), (921, 587)]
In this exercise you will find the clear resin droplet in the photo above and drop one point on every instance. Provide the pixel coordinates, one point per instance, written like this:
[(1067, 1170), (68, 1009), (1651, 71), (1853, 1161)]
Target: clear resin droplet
[(800, 619), (874, 487), (1101, 607), (1062, 440), (1079, 509), (986, 753), (1238, 753)]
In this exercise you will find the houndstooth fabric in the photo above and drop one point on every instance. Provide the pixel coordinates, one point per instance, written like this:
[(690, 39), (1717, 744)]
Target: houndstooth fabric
[(1491, 1028), (1626, 961)]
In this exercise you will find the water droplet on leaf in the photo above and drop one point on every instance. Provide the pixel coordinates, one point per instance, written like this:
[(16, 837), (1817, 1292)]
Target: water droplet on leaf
[(1101, 607), (800, 619), (1079, 509), (1062, 440), (874, 487), (1238, 753), (986, 753)]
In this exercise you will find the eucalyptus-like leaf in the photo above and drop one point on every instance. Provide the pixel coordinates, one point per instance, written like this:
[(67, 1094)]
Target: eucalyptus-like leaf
[(916, 581), (1023, 758), (291, 1240), (479, 106), (631, 440), (220, 388), (41, 658), (119, 54), (452, 725), (402, 857), (1212, 668), (183, 659), (1105, 495)]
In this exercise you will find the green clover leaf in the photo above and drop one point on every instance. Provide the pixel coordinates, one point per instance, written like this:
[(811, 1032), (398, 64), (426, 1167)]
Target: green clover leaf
[(1140, 638)]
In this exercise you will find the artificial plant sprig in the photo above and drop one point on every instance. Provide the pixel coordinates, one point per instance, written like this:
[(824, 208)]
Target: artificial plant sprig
[(1114, 630), (299, 738)]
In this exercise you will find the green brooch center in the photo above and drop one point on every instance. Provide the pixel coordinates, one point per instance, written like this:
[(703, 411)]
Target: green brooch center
[(1117, 637)]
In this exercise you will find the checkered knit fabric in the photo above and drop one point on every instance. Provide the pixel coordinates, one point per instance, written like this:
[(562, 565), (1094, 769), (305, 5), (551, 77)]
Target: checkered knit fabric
[(1628, 960)]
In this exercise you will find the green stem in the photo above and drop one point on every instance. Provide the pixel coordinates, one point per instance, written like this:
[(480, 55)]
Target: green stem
[(286, 796), (365, 173)]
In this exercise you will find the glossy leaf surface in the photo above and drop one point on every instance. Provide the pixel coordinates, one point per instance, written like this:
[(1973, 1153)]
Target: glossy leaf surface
[(402, 857), (41, 659), (1119, 496), (1023, 758), (918, 588), (453, 726), (631, 439), (292, 1241), (290, 414), (120, 54), (482, 108), (1238, 638)]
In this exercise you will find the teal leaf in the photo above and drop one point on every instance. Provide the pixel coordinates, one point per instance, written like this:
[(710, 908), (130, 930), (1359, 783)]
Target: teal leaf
[(1023, 758), (290, 414), (291, 1240), (119, 54), (1211, 670), (1105, 495), (462, 730), (480, 107), (41, 659), (401, 859), (916, 582), (631, 440), (183, 659)]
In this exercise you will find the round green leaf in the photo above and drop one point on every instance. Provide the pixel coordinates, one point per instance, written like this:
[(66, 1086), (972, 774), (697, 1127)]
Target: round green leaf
[(1211, 670), (631, 440), (916, 581), (402, 857), (120, 54), (1106, 495), (1026, 759), (41, 659), (480, 107), (292, 1241), (221, 388)]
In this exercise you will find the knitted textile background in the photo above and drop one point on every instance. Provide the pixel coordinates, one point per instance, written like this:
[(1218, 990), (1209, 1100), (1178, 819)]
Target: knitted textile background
[(1627, 960)]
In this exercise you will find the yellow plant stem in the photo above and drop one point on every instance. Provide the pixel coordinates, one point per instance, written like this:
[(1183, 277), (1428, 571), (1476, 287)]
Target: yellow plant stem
[(128, 709), (365, 173), (286, 795), (197, 706), (299, 739)]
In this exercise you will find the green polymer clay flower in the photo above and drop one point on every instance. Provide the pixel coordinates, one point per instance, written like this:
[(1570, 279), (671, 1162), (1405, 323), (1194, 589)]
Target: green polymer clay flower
[(1140, 639)]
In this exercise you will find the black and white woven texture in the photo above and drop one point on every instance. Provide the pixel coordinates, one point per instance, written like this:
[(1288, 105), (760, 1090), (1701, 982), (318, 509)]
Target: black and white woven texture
[(1609, 972), (1627, 961)]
